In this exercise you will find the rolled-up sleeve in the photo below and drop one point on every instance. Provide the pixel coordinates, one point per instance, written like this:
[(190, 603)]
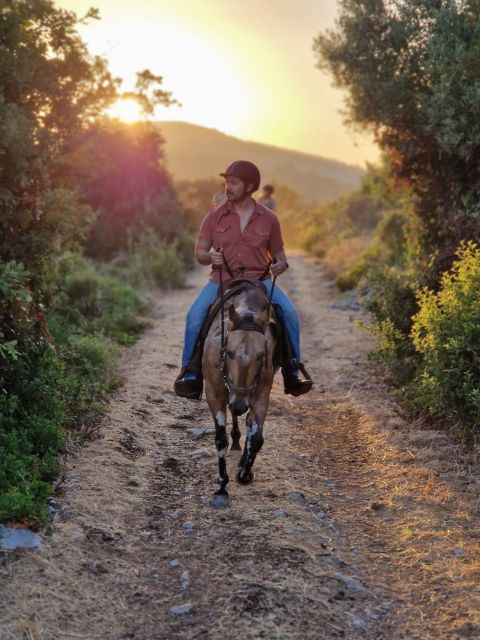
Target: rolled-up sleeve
[(206, 228), (275, 242)]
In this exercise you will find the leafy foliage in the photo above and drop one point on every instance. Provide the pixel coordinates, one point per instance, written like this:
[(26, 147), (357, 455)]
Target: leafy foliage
[(117, 170), (416, 85), (446, 332), (62, 318)]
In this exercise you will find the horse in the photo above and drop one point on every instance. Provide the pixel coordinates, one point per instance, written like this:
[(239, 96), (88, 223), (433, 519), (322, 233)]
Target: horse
[(238, 371)]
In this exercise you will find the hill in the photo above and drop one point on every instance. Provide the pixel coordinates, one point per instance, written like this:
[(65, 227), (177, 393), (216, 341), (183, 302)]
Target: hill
[(195, 152)]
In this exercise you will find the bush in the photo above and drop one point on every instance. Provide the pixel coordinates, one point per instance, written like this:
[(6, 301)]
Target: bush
[(153, 262), (446, 332), (392, 302), (93, 303)]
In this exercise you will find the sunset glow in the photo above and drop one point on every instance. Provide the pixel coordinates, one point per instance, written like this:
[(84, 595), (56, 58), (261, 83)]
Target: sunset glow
[(127, 110), (248, 72)]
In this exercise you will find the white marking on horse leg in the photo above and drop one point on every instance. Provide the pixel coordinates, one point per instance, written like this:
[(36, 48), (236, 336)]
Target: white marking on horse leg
[(222, 452), (221, 419), (251, 432)]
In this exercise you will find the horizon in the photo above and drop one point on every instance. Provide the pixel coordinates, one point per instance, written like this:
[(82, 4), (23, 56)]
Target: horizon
[(266, 144), (250, 74)]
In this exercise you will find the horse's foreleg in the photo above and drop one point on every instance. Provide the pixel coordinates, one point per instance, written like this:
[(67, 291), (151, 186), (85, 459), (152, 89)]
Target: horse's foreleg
[(235, 433), (254, 440), (221, 443), (253, 444)]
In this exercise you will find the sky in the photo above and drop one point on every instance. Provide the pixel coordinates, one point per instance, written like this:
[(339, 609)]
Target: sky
[(245, 68)]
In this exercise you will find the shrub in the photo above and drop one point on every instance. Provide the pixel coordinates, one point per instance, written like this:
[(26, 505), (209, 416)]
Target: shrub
[(392, 302), (446, 332)]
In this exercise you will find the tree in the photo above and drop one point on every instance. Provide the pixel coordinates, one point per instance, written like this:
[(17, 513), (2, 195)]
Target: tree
[(411, 69), (117, 170)]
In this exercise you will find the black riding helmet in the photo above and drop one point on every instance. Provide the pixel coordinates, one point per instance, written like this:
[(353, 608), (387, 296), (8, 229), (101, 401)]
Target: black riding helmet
[(246, 171)]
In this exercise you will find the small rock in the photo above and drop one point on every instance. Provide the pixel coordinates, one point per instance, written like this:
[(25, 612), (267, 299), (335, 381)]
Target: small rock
[(155, 399), (298, 495), (201, 453), (189, 490), (145, 536), (395, 423), (185, 580), (199, 432), (174, 563), (188, 526), (378, 506), (370, 614), (458, 551), (346, 305), (182, 609), (204, 500), (337, 560), (357, 623), (175, 515), (97, 568), (298, 531), (350, 583), (107, 536), (13, 538), (320, 515), (280, 513)]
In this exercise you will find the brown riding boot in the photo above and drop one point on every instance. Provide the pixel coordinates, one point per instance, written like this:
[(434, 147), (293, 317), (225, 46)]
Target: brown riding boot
[(188, 384), (296, 379)]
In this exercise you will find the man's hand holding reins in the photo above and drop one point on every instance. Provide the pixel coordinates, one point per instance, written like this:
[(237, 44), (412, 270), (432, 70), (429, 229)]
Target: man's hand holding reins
[(216, 258), (278, 267)]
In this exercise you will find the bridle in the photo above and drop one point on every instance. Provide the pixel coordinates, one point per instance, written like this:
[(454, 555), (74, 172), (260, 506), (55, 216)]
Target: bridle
[(244, 324)]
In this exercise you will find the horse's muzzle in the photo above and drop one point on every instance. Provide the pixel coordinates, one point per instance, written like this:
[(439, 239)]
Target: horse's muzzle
[(238, 405)]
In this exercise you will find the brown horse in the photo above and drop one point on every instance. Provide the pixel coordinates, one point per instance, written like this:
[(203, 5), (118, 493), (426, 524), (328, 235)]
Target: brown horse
[(240, 376)]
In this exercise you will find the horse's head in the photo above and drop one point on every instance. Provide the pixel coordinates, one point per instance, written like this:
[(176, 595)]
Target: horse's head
[(245, 348)]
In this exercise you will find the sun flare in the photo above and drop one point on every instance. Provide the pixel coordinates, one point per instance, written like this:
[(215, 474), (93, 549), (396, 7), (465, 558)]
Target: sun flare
[(126, 109)]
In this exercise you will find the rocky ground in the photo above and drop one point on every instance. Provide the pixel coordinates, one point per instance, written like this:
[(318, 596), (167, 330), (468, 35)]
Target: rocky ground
[(358, 523)]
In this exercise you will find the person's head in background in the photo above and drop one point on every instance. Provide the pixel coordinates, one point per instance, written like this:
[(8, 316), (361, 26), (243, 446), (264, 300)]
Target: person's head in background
[(218, 198), (267, 191), (266, 198)]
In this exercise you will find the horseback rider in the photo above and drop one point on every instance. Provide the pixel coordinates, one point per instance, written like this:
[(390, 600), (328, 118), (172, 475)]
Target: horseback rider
[(238, 238), (267, 198)]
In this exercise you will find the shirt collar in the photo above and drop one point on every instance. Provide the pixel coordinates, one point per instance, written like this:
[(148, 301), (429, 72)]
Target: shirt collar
[(228, 209)]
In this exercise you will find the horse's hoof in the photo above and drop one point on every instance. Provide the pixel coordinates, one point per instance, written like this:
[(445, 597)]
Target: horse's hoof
[(220, 500), (244, 478), (235, 446)]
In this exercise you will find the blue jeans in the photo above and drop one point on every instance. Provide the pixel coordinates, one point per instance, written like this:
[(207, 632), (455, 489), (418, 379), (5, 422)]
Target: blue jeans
[(206, 297)]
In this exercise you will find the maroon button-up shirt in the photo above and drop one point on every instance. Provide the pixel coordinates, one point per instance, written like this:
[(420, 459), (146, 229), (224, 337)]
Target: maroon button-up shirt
[(247, 253)]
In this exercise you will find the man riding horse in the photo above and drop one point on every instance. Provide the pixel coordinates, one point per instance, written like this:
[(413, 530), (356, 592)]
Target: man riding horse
[(241, 238)]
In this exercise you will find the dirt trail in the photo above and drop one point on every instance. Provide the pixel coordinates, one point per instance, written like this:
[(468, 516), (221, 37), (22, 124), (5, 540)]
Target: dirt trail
[(358, 524)]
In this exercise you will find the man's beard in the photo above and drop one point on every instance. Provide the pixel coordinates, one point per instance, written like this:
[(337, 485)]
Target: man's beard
[(232, 198)]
